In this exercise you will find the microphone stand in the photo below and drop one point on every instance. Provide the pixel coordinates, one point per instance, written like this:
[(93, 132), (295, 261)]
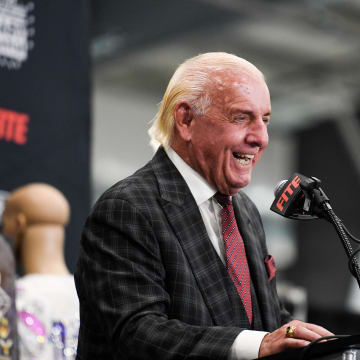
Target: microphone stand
[(323, 209)]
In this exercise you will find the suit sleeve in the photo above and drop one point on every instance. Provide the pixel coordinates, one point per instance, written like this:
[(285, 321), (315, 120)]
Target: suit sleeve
[(121, 285)]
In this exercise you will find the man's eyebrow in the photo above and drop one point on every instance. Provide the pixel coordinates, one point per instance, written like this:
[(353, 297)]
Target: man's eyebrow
[(240, 110), (247, 111)]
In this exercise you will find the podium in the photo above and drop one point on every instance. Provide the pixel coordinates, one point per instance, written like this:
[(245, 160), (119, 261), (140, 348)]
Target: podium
[(347, 348)]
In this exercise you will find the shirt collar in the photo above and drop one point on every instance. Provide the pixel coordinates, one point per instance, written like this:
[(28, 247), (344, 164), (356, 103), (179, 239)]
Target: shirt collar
[(199, 187)]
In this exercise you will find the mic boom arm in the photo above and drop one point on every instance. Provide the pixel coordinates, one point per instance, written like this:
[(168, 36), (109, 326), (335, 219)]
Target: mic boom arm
[(301, 198)]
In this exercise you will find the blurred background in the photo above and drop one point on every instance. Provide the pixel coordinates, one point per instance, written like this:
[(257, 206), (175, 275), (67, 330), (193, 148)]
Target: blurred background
[(98, 70)]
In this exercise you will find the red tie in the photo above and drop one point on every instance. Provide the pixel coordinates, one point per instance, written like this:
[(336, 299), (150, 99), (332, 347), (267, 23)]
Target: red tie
[(236, 262)]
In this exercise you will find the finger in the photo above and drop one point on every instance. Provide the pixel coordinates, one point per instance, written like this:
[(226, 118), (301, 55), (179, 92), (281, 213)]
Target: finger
[(315, 328), (304, 333), (292, 343), (276, 342), (318, 329)]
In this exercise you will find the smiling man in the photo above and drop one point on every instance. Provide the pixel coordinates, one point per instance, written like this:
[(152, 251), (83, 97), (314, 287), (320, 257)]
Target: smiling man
[(224, 141), (173, 262)]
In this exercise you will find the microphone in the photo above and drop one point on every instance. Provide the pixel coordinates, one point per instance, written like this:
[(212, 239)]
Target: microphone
[(293, 198), (279, 187), (301, 198)]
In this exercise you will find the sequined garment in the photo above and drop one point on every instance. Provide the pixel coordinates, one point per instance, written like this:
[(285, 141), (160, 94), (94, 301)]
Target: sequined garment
[(48, 317), (8, 331)]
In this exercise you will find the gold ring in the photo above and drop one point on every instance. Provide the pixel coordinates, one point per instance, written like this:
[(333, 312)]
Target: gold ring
[(290, 331)]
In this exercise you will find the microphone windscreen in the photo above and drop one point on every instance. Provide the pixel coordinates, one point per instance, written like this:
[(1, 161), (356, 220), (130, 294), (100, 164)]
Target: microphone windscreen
[(279, 187)]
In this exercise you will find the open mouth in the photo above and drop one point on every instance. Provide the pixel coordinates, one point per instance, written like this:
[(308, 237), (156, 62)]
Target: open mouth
[(243, 159)]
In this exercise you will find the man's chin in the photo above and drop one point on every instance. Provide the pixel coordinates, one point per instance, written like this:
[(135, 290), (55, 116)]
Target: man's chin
[(237, 186), (232, 185)]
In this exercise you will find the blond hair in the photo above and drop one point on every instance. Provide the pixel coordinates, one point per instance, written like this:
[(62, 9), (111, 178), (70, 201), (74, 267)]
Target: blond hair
[(191, 83)]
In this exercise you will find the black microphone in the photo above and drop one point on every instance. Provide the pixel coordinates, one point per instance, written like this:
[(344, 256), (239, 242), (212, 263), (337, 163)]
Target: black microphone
[(293, 198), (302, 198), (279, 187)]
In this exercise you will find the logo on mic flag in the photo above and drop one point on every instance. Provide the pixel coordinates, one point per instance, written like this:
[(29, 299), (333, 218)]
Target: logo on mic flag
[(287, 194)]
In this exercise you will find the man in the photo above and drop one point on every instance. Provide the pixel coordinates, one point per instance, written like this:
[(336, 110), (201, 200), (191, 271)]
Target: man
[(155, 278)]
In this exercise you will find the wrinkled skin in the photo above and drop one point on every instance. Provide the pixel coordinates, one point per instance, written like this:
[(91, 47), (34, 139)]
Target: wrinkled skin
[(276, 341), (235, 124)]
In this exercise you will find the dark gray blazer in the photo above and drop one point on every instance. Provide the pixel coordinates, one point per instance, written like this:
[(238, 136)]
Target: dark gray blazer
[(151, 285)]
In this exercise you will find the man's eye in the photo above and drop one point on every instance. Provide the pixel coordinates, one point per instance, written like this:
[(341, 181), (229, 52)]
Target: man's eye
[(266, 121), (239, 118)]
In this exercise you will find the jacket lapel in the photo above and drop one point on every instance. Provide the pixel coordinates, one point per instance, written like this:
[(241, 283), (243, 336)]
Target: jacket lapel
[(256, 263), (185, 218)]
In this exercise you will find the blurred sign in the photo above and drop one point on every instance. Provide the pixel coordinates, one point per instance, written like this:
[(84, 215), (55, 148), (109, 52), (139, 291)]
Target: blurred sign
[(16, 32), (44, 102), (13, 126)]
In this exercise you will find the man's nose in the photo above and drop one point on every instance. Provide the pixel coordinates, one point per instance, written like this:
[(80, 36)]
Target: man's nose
[(258, 134)]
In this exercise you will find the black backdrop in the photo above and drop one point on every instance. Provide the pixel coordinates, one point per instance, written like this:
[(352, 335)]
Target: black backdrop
[(322, 266), (44, 105)]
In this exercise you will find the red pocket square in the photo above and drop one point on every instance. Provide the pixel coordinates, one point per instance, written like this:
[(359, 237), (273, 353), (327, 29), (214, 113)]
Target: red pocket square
[(270, 266)]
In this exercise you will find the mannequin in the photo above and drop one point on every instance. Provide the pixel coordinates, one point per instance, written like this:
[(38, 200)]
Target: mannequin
[(35, 217)]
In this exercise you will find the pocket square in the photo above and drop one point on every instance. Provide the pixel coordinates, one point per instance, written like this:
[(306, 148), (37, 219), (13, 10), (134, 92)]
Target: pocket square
[(270, 266)]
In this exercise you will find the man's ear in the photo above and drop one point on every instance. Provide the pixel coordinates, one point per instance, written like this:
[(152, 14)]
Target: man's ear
[(183, 116)]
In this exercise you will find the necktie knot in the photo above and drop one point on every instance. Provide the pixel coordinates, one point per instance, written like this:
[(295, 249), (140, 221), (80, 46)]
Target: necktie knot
[(223, 200)]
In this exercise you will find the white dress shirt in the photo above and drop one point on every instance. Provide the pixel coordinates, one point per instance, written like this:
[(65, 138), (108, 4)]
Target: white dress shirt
[(246, 345)]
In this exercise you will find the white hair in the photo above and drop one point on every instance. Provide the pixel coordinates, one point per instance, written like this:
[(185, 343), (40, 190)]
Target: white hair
[(191, 83)]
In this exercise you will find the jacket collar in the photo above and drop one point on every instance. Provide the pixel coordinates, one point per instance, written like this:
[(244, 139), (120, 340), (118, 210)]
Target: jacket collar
[(184, 216)]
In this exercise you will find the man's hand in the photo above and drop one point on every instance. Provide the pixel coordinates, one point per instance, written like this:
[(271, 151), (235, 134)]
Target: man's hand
[(304, 333)]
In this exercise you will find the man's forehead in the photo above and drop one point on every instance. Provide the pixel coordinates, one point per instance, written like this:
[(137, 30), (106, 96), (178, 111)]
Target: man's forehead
[(226, 87), (222, 80)]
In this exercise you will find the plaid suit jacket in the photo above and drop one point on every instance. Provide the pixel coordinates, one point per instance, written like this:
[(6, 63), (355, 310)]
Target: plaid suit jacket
[(150, 283)]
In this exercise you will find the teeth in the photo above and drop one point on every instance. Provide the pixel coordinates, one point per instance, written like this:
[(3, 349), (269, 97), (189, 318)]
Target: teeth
[(243, 159), (243, 156), (248, 156)]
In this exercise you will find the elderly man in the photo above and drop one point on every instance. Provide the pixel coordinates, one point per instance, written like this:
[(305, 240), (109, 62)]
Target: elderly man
[(174, 263)]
